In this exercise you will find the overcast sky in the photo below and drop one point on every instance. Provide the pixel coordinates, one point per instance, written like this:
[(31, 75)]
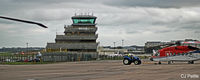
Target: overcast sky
[(134, 21)]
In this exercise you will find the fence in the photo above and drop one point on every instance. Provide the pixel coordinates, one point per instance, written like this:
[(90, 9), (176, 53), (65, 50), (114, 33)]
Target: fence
[(106, 57), (16, 57), (57, 57), (48, 57), (67, 57)]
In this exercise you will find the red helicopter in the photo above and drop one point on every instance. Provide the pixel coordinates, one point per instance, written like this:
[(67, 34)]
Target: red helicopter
[(176, 52)]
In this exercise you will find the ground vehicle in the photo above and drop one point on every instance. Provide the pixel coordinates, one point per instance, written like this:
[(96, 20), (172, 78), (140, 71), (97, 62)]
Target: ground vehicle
[(129, 59), (176, 53)]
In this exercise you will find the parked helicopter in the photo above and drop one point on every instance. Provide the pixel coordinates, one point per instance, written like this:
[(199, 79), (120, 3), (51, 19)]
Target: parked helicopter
[(176, 52)]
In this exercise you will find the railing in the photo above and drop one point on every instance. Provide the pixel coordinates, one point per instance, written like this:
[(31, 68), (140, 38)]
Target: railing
[(72, 45), (49, 57), (84, 29), (72, 37), (58, 57)]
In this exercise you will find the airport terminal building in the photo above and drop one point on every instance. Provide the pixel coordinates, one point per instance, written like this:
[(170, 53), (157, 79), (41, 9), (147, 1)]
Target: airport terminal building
[(79, 37)]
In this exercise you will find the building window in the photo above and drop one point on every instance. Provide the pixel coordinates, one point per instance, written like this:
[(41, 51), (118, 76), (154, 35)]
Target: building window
[(83, 21)]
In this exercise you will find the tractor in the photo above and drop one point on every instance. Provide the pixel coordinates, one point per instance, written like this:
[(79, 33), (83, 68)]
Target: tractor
[(128, 59)]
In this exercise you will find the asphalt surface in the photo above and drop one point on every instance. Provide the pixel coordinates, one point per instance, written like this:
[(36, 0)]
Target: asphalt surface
[(101, 70)]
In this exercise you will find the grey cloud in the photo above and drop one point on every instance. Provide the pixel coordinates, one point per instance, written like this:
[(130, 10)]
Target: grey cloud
[(3, 21), (132, 32), (140, 22), (154, 3), (197, 32), (49, 1), (191, 26), (118, 3), (163, 31)]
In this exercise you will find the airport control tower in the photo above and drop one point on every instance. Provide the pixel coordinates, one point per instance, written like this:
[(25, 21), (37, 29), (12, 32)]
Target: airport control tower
[(80, 37)]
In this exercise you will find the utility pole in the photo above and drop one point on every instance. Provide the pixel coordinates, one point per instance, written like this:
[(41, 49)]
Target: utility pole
[(122, 43), (27, 47), (114, 44)]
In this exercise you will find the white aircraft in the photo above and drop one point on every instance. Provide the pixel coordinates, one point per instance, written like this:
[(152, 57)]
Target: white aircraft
[(176, 53)]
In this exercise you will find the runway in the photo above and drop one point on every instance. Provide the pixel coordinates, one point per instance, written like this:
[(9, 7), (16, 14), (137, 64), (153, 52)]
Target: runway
[(100, 70)]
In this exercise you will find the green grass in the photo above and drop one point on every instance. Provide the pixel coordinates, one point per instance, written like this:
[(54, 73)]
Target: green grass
[(24, 63), (143, 57), (5, 54), (111, 58)]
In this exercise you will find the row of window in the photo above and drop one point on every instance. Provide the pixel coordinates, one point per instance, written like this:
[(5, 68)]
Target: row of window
[(83, 21), (174, 54)]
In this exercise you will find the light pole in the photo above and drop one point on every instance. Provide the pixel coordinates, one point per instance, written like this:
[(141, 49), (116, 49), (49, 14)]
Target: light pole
[(27, 47), (122, 43), (114, 44)]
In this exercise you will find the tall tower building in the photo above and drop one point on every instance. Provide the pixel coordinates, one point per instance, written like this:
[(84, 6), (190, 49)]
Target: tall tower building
[(80, 37)]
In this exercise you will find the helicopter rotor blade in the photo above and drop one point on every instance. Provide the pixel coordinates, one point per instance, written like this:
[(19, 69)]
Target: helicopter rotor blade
[(25, 21)]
